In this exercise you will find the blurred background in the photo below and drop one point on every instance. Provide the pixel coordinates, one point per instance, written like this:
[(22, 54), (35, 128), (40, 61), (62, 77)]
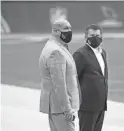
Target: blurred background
[(33, 17), (25, 27)]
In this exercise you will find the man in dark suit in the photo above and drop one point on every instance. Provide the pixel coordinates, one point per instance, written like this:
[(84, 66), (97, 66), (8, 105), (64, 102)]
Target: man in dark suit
[(93, 79)]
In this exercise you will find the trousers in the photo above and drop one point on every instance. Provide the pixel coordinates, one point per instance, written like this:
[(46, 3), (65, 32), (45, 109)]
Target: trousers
[(58, 122), (89, 121)]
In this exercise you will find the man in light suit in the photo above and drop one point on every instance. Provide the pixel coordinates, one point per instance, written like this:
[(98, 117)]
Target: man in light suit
[(92, 71), (60, 92)]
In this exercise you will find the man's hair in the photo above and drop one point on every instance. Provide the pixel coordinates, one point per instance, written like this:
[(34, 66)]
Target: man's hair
[(94, 27)]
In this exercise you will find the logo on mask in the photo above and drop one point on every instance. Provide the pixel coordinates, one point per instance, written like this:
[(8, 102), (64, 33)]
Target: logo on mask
[(66, 36)]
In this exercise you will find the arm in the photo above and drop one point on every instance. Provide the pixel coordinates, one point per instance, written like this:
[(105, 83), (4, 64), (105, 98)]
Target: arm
[(79, 61), (106, 59), (57, 68)]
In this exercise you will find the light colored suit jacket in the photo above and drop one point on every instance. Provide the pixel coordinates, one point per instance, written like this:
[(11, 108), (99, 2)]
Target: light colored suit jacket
[(59, 87)]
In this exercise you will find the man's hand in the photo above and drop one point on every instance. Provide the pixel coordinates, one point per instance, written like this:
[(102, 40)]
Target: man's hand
[(69, 115)]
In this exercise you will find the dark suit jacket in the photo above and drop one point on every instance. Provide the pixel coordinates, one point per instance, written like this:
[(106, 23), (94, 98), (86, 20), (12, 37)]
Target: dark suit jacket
[(94, 86)]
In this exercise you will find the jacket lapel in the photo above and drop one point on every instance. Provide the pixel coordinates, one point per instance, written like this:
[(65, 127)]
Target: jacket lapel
[(105, 69), (64, 48), (94, 59), (67, 52)]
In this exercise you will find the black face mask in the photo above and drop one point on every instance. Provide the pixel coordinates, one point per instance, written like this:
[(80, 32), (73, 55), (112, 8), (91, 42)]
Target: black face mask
[(94, 41), (66, 36)]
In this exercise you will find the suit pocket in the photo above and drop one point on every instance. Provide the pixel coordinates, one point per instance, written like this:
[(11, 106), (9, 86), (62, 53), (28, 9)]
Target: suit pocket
[(95, 73)]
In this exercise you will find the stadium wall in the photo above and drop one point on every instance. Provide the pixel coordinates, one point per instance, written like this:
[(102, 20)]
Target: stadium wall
[(33, 17)]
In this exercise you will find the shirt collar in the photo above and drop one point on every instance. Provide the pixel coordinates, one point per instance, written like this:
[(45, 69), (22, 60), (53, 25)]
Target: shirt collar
[(96, 50)]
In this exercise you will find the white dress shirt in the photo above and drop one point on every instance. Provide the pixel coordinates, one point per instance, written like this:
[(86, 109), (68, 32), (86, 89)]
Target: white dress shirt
[(99, 57)]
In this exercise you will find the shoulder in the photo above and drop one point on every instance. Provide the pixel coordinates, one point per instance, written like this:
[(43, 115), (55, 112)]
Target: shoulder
[(80, 54), (51, 50), (51, 46), (55, 58), (82, 50), (103, 51)]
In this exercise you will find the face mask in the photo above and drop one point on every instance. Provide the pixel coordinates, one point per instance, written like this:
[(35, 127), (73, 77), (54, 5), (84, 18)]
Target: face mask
[(94, 41), (66, 36)]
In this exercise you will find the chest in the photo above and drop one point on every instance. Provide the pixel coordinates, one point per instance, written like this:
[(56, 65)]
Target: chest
[(100, 60), (95, 62), (70, 63)]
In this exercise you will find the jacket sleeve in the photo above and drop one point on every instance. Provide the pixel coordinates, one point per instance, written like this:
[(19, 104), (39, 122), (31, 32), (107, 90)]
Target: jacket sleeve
[(106, 58), (80, 62), (57, 68)]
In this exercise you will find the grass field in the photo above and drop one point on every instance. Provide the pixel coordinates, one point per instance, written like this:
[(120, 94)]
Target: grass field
[(19, 63)]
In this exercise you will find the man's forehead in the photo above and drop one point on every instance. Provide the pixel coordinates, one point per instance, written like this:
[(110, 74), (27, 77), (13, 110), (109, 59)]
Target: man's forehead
[(96, 32), (62, 24)]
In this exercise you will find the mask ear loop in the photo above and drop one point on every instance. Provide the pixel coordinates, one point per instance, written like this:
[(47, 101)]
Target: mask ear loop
[(86, 38)]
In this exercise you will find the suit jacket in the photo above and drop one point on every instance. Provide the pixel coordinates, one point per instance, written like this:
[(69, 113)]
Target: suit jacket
[(59, 88), (94, 86)]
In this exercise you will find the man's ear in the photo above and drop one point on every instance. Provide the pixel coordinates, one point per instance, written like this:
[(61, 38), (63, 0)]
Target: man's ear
[(56, 32), (85, 37)]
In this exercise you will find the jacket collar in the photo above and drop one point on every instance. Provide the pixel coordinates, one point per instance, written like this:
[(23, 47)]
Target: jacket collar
[(96, 50)]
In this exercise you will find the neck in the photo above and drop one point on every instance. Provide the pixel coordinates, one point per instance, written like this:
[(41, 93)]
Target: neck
[(97, 48), (59, 40)]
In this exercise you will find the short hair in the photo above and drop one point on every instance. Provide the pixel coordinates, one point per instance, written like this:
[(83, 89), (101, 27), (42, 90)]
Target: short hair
[(61, 24), (94, 27)]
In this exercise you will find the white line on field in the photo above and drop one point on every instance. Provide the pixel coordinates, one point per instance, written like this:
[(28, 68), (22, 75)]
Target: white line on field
[(42, 37)]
